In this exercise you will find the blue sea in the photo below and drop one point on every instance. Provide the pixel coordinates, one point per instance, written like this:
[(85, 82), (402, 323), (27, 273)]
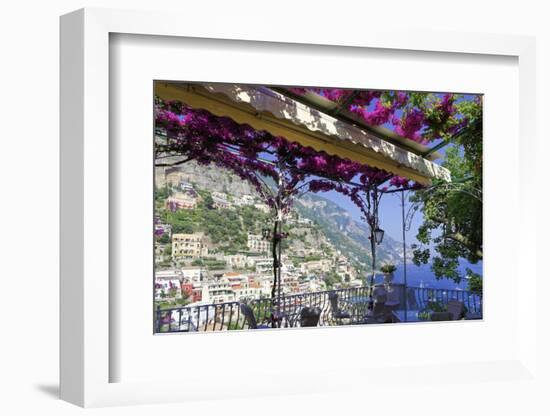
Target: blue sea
[(422, 276)]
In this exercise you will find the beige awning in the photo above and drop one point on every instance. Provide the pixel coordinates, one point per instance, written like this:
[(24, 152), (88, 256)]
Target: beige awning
[(266, 109)]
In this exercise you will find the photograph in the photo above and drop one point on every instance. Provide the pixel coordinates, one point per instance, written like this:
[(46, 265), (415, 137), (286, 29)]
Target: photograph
[(267, 217)]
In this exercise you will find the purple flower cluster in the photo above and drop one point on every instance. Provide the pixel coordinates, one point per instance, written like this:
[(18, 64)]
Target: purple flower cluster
[(170, 121), (410, 125), (446, 104), (399, 182), (333, 94), (401, 99), (365, 97), (379, 115)]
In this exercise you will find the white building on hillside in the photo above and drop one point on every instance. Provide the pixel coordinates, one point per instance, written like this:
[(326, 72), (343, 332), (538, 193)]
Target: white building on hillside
[(237, 261), (248, 292), (187, 187), (217, 292), (168, 274), (192, 274), (181, 200), (243, 200), (262, 207), (167, 284), (264, 266), (257, 244)]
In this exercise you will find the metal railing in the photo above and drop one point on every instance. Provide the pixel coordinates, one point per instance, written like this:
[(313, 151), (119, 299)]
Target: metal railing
[(352, 302), (424, 296)]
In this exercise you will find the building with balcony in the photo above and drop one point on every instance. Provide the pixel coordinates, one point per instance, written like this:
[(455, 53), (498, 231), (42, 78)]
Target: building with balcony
[(167, 288), (256, 244), (243, 200), (188, 246), (235, 279), (217, 292), (192, 274), (187, 187), (237, 261), (181, 200), (218, 203)]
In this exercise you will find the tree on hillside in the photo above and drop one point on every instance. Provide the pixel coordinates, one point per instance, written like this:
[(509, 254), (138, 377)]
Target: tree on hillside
[(209, 201)]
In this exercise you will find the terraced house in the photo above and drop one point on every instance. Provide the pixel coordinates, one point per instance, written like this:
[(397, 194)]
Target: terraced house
[(188, 246)]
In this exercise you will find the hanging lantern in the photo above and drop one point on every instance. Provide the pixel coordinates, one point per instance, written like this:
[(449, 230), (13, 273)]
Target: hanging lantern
[(378, 235)]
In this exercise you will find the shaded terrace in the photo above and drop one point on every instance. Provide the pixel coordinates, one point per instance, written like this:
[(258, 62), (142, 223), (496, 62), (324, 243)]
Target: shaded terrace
[(314, 122)]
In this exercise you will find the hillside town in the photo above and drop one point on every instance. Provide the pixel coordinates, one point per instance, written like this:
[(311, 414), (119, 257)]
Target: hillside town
[(195, 268)]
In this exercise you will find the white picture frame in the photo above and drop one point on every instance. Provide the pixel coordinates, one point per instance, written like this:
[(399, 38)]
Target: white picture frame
[(86, 355)]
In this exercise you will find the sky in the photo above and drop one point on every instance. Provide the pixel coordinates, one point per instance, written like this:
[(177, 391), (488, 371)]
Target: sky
[(389, 213)]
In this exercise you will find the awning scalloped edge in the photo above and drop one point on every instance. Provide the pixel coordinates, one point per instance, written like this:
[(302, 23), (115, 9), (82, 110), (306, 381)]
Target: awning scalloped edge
[(263, 99)]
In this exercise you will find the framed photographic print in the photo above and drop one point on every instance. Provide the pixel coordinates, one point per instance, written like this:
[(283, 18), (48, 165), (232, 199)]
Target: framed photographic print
[(290, 208)]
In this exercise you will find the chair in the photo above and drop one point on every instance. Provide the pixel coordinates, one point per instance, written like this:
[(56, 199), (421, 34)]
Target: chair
[(379, 312), (456, 309), (250, 318), (411, 299), (310, 316), (337, 313)]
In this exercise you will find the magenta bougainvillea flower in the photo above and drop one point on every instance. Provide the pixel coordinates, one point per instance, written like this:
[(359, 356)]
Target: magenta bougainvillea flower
[(379, 115), (410, 124)]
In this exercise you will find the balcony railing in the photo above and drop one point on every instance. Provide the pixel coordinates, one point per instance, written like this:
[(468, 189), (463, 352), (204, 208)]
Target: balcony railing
[(353, 301)]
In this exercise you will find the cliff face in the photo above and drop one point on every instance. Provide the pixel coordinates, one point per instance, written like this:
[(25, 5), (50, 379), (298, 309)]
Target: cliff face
[(347, 234), (209, 178)]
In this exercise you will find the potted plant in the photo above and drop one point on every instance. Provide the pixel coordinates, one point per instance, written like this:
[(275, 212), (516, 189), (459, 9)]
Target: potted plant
[(388, 270)]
